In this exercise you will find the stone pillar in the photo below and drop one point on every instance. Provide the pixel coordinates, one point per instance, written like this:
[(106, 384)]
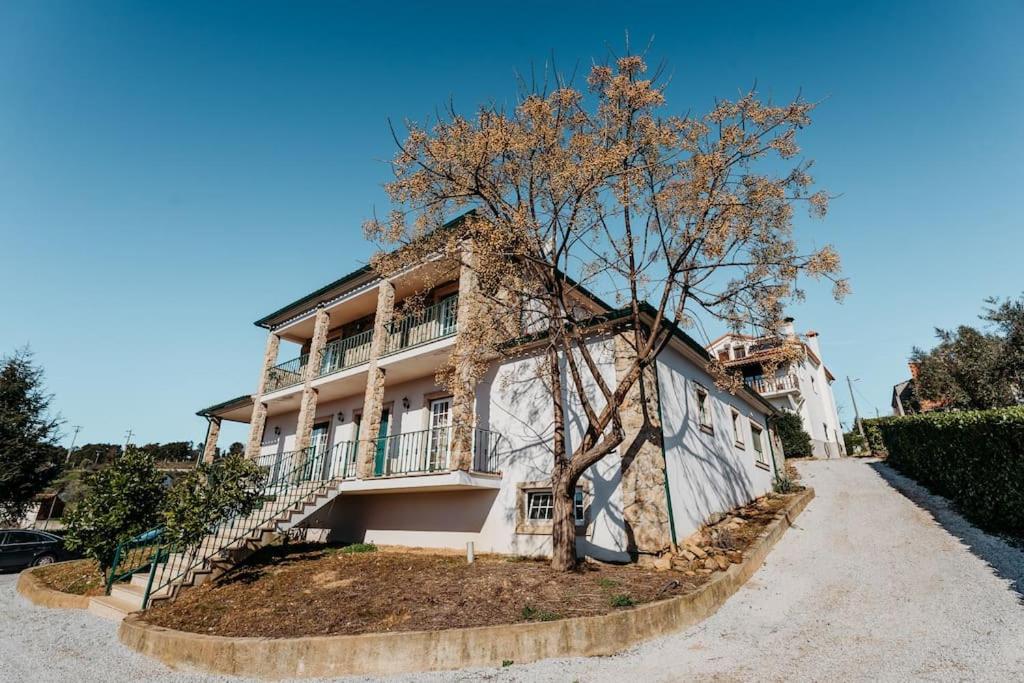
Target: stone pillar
[(259, 409), (307, 406), (374, 398), (210, 449), (464, 390), (644, 500)]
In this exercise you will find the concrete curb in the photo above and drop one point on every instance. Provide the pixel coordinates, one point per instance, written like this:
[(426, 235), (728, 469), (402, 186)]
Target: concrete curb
[(485, 646), (35, 591)]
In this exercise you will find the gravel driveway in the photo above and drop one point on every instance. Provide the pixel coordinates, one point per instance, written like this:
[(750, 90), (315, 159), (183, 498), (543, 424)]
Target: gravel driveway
[(871, 584)]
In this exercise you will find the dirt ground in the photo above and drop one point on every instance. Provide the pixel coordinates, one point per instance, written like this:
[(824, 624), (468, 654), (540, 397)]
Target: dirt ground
[(297, 590), (80, 577)]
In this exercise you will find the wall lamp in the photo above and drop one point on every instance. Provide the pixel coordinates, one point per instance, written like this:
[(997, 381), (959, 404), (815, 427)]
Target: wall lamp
[(405, 402), (277, 431)]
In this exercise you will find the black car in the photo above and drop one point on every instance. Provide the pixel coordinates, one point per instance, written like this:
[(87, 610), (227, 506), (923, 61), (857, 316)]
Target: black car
[(20, 548)]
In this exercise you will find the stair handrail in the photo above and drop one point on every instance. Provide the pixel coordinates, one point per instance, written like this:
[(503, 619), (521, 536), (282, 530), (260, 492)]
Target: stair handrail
[(291, 477), (134, 555)]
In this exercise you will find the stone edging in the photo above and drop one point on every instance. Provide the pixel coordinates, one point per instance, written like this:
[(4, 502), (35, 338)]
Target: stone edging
[(36, 592), (483, 646)]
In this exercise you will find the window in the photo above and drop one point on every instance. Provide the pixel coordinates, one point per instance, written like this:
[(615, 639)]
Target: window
[(723, 355), (540, 506), (737, 428), (739, 352), (704, 408), (757, 439)]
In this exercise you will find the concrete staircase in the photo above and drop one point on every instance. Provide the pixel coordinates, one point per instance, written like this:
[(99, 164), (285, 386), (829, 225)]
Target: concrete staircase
[(215, 554)]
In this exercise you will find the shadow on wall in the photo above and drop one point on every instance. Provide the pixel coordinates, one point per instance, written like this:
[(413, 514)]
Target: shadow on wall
[(349, 517), (1007, 560)]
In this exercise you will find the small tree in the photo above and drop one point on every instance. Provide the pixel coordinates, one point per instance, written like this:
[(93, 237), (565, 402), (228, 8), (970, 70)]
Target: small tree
[(122, 501), (600, 191), (796, 442), (212, 492), (29, 455)]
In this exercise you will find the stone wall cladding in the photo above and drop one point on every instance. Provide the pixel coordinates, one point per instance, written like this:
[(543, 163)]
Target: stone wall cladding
[(374, 397), (464, 391), (210, 448), (645, 508), (307, 406), (259, 409), (486, 646)]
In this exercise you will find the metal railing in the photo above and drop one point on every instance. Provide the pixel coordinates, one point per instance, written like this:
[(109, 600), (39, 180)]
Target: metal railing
[(292, 479), (429, 450), (135, 555), (771, 385), (346, 353), (286, 374), (432, 323)]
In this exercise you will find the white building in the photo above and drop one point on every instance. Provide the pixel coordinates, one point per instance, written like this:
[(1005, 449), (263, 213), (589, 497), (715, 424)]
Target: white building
[(803, 387), (367, 415)]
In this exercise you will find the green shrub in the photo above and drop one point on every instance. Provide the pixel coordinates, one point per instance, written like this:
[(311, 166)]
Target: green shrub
[(873, 432), (974, 458), (855, 443), (783, 484), (122, 501), (359, 548), (796, 442), (530, 613), (622, 600)]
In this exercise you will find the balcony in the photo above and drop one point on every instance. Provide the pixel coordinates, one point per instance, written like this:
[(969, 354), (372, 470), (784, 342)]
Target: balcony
[(767, 386), (432, 323), (429, 450)]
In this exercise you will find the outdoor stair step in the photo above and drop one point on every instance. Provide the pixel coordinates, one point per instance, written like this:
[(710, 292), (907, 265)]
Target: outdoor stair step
[(112, 607), (129, 593)]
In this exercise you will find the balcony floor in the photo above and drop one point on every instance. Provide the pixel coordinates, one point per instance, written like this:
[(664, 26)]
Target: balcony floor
[(432, 481)]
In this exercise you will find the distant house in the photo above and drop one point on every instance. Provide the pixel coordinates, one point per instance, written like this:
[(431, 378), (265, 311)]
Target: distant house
[(904, 396), (803, 387)]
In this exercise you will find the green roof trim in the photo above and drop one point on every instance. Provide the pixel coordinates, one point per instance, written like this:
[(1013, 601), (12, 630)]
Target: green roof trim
[(355, 274), (236, 402)]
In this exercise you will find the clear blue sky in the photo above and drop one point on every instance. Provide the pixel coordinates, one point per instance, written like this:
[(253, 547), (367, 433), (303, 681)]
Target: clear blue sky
[(168, 174)]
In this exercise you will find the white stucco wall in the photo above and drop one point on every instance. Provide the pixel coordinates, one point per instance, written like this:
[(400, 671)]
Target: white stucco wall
[(706, 472)]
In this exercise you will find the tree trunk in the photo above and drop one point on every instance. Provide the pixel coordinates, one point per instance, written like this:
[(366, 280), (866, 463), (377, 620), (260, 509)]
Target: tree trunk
[(563, 522)]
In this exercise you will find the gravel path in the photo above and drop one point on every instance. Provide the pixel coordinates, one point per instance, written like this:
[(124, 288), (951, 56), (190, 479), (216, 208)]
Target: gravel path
[(870, 584)]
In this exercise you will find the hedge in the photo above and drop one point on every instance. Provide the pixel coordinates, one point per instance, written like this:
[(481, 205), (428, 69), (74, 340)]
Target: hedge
[(974, 458)]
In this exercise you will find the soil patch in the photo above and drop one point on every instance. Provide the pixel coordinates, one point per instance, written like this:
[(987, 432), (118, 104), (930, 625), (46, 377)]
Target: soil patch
[(306, 589), (77, 577)]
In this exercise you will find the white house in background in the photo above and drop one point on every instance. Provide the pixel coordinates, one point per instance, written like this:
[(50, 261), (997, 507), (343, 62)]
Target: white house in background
[(803, 387)]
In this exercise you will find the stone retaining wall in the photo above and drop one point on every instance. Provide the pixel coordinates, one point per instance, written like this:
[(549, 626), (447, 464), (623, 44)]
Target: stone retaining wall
[(486, 646), (38, 593)]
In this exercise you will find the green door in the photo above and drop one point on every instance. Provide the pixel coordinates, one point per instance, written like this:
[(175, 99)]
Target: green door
[(382, 443)]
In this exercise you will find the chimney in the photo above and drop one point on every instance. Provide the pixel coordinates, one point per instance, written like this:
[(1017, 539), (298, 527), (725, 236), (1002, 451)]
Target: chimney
[(914, 369), (787, 328), (812, 341)]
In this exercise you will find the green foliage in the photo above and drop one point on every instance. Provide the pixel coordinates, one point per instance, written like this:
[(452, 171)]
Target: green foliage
[(974, 458), (530, 613), (970, 369), (796, 442), (209, 494), (622, 600), (873, 432), (29, 455), (854, 442), (94, 454), (783, 484), (121, 501), (173, 451), (358, 548)]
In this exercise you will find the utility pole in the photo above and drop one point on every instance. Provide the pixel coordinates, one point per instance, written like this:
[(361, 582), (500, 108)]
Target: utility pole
[(128, 438), (856, 414), (74, 436)]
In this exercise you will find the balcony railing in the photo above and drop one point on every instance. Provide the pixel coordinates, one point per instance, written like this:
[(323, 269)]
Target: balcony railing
[(286, 374), (346, 353), (432, 323), (772, 385), (429, 450)]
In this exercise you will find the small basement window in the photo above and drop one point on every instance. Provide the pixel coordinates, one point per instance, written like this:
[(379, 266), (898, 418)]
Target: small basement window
[(540, 506)]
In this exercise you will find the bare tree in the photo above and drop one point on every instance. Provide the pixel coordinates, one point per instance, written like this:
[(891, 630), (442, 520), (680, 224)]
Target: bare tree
[(598, 191)]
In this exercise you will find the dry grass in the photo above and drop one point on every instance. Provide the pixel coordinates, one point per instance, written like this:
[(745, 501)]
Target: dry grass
[(307, 589), (78, 577)]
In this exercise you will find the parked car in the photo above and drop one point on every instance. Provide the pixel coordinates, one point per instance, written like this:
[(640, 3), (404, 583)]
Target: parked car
[(20, 548)]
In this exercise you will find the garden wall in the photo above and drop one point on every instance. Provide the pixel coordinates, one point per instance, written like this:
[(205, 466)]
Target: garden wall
[(974, 458)]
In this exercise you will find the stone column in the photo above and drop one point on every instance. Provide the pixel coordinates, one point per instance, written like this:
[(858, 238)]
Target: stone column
[(307, 406), (259, 409), (374, 398), (464, 391), (644, 500), (210, 449)]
